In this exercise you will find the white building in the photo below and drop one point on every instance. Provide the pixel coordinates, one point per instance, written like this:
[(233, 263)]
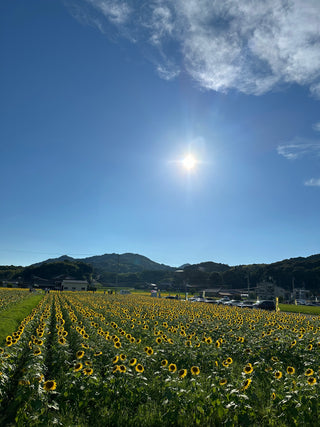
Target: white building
[(74, 285)]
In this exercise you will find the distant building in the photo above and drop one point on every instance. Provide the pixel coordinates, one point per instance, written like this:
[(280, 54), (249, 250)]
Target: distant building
[(268, 290), (74, 285)]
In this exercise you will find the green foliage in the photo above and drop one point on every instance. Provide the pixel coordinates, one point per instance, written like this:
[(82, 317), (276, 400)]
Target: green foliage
[(78, 270)]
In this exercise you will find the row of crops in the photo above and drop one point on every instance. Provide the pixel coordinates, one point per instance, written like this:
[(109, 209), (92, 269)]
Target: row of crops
[(81, 358)]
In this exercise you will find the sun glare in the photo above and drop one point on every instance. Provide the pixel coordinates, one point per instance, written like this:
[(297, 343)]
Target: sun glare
[(189, 162)]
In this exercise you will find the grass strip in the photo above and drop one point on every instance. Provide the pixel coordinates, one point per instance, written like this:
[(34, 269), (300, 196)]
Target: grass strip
[(303, 309), (11, 318)]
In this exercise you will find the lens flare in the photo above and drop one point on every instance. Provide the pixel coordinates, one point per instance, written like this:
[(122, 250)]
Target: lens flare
[(189, 162)]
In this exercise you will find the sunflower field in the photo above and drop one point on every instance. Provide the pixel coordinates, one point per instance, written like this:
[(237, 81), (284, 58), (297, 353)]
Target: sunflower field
[(81, 359)]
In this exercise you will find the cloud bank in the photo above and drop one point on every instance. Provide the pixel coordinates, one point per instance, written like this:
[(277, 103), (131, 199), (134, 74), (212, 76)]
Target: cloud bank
[(252, 47)]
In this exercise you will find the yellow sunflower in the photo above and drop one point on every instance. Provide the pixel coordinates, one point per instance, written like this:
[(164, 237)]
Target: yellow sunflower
[(49, 385), (133, 361), (139, 368), (79, 354), (172, 367), (309, 372), (247, 383), (248, 369), (195, 370), (87, 371), (278, 375), (182, 373)]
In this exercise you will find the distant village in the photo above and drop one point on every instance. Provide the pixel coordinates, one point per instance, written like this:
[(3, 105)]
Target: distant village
[(265, 290)]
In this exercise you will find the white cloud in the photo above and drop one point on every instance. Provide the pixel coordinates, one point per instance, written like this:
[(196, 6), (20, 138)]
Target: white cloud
[(313, 182), (299, 147), (316, 127), (249, 46), (118, 12)]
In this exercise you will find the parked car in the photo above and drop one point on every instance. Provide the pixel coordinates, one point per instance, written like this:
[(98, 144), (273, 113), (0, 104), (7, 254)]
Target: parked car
[(223, 300), (246, 304), (231, 302), (265, 305)]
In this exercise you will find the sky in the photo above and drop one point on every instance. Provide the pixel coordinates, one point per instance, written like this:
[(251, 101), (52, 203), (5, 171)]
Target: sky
[(103, 100)]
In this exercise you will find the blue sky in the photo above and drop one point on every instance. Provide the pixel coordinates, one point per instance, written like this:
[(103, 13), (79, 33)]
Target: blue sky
[(101, 100)]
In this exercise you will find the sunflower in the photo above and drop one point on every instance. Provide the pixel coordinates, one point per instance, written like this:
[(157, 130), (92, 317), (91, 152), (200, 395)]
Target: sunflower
[(247, 383), (195, 370), (117, 344), (217, 344), (248, 369), (229, 360), (98, 353), (79, 354), (312, 381), (158, 340), (122, 368), (273, 396), (182, 373), (309, 372), (274, 359), (115, 359), (225, 363), (49, 385), (83, 345), (172, 367), (123, 357), (132, 362), (290, 370), (139, 368), (278, 374), (115, 369), (37, 352), (310, 347), (164, 362), (87, 371), (223, 381), (62, 341), (88, 363), (77, 367), (293, 343)]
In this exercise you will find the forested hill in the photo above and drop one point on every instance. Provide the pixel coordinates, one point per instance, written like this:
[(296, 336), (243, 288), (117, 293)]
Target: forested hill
[(116, 263), (134, 269)]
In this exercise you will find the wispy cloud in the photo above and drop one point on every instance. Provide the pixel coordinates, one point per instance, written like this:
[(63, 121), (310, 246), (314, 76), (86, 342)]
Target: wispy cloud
[(316, 127), (299, 147), (313, 182), (249, 46)]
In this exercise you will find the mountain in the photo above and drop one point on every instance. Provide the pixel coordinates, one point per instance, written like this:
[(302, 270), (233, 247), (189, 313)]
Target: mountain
[(116, 263), (134, 269)]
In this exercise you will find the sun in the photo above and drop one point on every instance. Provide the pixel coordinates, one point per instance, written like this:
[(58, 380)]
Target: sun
[(189, 162)]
